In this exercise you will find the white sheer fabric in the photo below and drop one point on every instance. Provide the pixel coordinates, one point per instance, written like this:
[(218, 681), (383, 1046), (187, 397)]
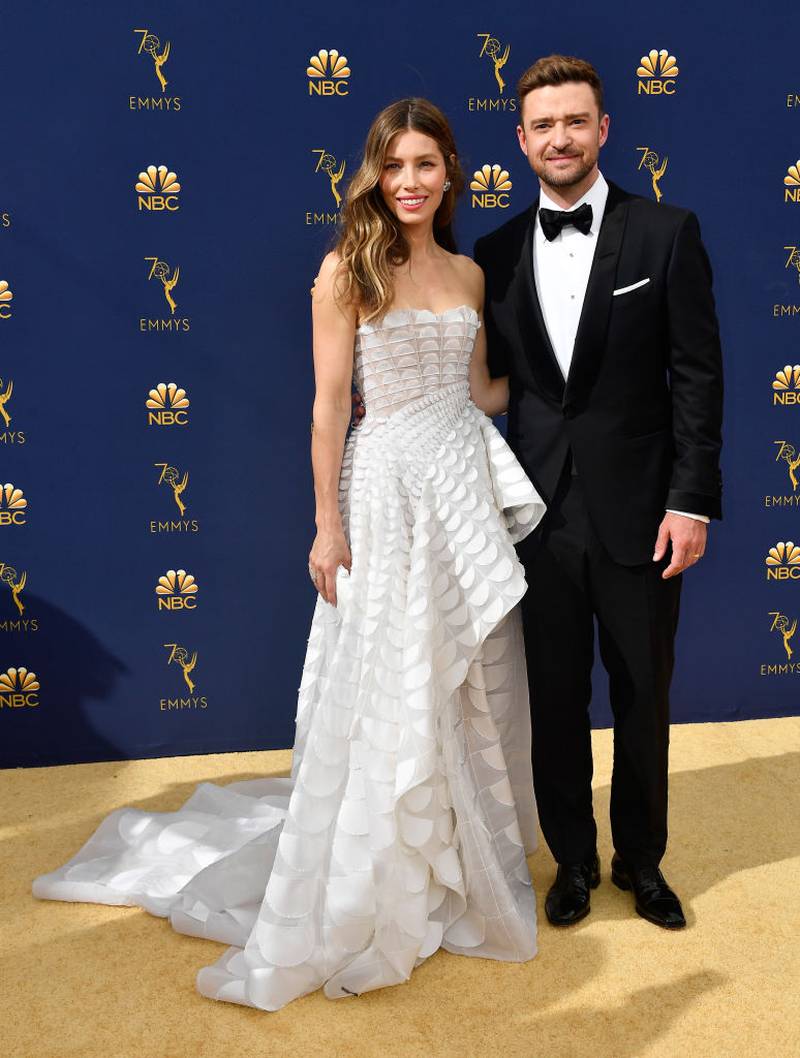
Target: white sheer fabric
[(409, 811)]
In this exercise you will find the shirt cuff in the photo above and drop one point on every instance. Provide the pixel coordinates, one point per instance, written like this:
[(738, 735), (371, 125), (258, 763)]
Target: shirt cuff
[(697, 517)]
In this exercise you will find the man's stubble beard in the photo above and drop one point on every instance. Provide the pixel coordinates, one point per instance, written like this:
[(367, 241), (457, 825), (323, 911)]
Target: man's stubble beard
[(567, 180)]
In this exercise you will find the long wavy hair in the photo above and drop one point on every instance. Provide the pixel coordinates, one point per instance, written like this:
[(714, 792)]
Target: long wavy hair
[(371, 242)]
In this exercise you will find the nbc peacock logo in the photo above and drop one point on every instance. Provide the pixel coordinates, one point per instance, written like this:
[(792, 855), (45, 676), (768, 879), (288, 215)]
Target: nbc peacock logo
[(783, 561), (13, 505), (6, 297), (791, 190), (786, 386), (328, 74), (167, 405), (657, 73), (18, 688), (490, 186), (157, 189), (176, 590)]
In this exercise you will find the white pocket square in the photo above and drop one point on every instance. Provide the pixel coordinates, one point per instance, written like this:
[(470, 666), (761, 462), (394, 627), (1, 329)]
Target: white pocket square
[(633, 286)]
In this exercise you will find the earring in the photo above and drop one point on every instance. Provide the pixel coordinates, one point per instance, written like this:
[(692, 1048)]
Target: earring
[(447, 185)]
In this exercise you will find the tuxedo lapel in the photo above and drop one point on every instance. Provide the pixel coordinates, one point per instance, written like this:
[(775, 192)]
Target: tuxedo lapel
[(530, 319), (590, 339)]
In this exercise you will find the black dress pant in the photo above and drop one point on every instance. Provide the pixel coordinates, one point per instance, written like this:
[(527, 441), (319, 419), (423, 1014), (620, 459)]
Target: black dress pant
[(573, 580)]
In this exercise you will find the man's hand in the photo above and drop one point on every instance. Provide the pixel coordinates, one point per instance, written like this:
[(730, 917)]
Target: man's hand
[(688, 537), (359, 411)]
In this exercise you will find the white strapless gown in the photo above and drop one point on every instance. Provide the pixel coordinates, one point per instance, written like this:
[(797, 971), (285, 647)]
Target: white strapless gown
[(409, 811)]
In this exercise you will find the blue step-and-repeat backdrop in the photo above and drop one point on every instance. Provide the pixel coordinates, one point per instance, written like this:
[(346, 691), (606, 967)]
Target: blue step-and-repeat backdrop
[(171, 176)]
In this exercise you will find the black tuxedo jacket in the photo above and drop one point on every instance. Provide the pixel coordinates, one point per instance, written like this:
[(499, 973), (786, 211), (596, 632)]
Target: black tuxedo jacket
[(641, 409)]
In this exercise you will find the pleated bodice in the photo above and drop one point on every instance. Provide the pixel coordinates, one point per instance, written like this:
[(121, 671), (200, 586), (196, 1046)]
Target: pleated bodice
[(411, 353)]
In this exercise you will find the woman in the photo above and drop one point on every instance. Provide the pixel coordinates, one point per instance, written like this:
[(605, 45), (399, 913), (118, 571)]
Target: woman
[(409, 811)]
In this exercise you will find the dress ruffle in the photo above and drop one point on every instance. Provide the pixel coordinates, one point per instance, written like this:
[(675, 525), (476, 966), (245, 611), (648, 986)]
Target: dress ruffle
[(409, 812)]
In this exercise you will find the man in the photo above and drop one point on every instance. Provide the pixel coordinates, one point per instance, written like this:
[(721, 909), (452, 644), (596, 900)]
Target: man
[(599, 308)]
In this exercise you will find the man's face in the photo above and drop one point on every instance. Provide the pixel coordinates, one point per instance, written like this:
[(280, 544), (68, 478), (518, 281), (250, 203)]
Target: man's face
[(561, 133)]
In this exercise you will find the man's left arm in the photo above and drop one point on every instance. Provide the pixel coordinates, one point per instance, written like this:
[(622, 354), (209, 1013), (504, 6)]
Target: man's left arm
[(695, 370)]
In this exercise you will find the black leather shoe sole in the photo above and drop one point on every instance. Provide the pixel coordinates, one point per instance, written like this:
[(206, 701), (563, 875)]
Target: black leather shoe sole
[(623, 882)]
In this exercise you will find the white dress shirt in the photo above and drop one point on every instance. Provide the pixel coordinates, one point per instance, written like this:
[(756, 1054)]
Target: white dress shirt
[(561, 268)]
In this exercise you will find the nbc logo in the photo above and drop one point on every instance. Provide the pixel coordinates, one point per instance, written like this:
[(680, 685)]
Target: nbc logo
[(657, 72), (328, 74), (157, 189), (490, 186), (786, 385), (167, 405), (792, 183), (783, 561), (18, 688), (6, 297), (12, 505), (176, 590)]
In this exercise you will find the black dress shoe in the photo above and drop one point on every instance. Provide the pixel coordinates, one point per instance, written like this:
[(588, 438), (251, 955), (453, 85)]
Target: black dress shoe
[(655, 901), (568, 899)]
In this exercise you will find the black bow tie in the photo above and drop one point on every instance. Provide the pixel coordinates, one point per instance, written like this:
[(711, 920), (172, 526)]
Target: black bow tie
[(553, 220)]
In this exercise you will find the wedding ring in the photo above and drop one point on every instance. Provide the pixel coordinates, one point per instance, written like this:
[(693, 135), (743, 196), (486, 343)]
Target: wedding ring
[(313, 575)]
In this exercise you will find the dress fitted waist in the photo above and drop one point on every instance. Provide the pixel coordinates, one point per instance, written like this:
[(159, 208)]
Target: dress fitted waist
[(445, 405)]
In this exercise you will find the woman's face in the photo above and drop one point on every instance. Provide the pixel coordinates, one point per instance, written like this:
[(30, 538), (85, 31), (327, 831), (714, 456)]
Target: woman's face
[(412, 181)]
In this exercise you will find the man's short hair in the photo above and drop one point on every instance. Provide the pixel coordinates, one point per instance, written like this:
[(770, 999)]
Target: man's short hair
[(560, 69)]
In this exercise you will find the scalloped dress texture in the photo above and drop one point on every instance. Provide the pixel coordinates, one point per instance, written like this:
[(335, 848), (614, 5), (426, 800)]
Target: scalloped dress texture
[(409, 811)]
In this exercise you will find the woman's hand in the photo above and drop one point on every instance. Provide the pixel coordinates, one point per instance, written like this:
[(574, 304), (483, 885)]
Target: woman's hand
[(328, 552), (334, 336)]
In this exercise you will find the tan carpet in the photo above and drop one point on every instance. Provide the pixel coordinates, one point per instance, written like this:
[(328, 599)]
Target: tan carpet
[(90, 981)]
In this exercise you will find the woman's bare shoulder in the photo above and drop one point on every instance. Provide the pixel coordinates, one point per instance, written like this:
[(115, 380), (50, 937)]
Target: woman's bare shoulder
[(471, 274), (329, 272), (329, 291)]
